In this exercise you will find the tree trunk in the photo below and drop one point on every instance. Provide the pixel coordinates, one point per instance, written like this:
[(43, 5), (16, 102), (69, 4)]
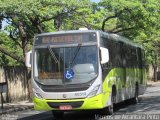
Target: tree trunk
[(155, 73), (30, 94), (155, 67)]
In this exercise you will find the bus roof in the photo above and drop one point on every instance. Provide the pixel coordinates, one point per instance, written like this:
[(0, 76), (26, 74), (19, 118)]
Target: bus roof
[(102, 34), (117, 37), (66, 32)]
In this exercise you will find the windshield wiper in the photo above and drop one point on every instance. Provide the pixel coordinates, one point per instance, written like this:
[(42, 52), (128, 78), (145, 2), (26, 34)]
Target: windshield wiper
[(52, 53), (76, 52)]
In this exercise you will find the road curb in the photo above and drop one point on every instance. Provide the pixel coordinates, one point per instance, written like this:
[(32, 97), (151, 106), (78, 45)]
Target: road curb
[(16, 109)]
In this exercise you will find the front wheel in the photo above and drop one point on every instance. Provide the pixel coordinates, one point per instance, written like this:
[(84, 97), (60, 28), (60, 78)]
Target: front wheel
[(110, 109)]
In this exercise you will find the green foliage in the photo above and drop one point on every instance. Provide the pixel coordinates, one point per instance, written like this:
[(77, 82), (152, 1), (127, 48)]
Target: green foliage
[(10, 46), (135, 19), (26, 18)]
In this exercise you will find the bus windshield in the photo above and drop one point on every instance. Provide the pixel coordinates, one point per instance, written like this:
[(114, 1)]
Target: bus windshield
[(65, 65)]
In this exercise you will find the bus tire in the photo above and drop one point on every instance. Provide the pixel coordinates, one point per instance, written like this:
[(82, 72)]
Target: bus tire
[(110, 109), (135, 99), (57, 114)]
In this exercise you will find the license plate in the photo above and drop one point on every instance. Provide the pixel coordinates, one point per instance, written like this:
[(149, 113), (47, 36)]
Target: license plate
[(65, 107)]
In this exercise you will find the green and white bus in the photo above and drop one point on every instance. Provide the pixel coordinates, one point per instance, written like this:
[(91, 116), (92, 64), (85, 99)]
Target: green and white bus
[(85, 70)]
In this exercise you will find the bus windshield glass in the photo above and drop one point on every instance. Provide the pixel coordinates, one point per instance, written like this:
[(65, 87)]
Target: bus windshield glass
[(65, 65)]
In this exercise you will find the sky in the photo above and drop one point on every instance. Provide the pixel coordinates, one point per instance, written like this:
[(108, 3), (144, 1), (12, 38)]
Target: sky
[(95, 1)]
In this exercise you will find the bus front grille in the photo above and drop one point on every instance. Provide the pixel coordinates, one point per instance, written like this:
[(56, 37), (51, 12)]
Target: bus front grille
[(75, 104), (65, 88), (61, 89)]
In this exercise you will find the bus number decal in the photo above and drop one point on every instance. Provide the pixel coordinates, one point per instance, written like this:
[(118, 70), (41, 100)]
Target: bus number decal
[(80, 94)]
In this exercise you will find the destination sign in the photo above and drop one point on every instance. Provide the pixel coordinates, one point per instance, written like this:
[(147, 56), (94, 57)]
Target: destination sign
[(66, 38)]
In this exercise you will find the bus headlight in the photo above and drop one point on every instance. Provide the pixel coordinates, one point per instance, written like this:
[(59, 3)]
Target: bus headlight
[(38, 95), (94, 91)]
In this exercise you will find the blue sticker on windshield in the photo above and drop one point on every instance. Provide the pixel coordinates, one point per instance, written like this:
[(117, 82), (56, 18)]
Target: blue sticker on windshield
[(69, 74)]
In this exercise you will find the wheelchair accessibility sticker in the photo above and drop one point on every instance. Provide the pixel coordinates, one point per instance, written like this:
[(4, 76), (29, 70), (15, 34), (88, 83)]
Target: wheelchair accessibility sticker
[(69, 74)]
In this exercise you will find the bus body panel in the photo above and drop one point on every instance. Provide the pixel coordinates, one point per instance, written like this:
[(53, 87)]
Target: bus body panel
[(123, 78), (116, 77), (95, 102)]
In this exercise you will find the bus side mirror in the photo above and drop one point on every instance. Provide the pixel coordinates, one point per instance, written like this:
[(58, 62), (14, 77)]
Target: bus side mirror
[(28, 59), (104, 55)]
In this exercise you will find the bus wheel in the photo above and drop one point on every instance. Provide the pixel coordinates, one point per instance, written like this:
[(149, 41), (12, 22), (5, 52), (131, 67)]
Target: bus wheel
[(109, 110), (135, 99), (57, 114)]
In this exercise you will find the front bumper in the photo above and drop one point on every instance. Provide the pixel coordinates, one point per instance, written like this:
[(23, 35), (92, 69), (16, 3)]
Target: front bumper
[(95, 102)]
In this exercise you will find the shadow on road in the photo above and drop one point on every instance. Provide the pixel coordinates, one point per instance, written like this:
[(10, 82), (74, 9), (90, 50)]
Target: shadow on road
[(76, 115), (146, 104)]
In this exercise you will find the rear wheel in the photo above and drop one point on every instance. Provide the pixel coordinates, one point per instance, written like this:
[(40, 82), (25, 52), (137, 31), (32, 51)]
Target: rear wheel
[(58, 114), (135, 99)]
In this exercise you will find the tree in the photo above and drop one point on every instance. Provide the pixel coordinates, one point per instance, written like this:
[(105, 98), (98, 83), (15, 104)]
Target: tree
[(135, 19), (11, 51), (26, 18)]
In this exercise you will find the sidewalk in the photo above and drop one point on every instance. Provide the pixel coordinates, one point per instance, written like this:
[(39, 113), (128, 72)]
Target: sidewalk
[(151, 83), (13, 107)]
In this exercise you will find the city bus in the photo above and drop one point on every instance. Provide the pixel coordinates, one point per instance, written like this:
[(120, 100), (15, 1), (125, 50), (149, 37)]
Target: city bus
[(85, 70)]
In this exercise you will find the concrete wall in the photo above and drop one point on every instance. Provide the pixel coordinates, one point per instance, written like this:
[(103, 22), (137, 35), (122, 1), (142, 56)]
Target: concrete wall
[(16, 78), (150, 73)]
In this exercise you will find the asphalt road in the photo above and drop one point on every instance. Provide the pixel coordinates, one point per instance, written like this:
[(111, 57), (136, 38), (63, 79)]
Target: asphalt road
[(147, 108)]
